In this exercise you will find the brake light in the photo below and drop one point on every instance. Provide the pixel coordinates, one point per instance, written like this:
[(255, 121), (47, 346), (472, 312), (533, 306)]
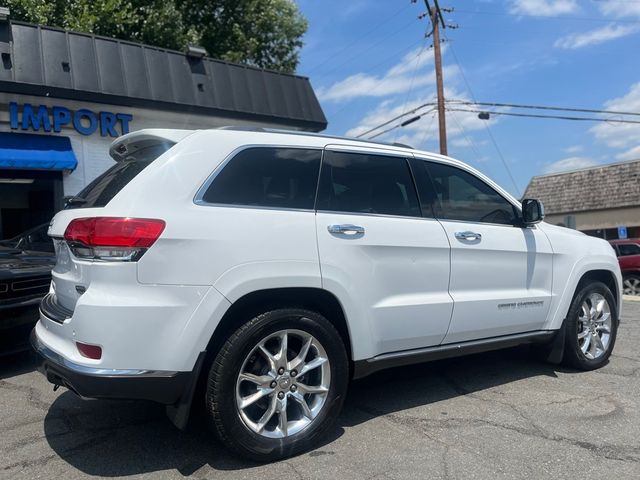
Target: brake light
[(112, 238)]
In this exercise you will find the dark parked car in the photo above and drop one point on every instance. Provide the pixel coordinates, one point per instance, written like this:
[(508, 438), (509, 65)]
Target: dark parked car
[(628, 252), (25, 274)]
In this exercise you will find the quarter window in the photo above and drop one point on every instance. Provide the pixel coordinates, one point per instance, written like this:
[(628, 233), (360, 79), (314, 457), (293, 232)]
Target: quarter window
[(459, 195), (268, 177), (363, 183)]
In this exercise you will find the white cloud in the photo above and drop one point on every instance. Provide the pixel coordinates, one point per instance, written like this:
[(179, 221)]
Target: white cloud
[(621, 135), (410, 73), (571, 163), (574, 149), (594, 37), (548, 8), (617, 8), (631, 154), (424, 131)]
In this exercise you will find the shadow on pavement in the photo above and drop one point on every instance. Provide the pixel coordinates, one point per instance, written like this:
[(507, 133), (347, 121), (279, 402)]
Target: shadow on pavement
[(16, 364), (127, 438)]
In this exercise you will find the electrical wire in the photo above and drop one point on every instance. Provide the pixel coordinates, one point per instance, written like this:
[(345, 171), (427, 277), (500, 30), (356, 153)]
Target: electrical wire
[(414, 110), (549, 17), (535, 115), (397, 126), (360, 38), (545, 107), (486, 126), (413, 77)]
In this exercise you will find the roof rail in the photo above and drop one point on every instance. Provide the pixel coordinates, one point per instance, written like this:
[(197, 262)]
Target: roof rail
[(311, 134)]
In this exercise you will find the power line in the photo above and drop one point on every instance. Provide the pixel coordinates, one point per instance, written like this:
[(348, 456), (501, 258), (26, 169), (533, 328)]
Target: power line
[(403, 124), (408, 112), (369, 47), (413, 77), (486, 126), (550, 17), (545, 107), (534, 115), (361, 37)]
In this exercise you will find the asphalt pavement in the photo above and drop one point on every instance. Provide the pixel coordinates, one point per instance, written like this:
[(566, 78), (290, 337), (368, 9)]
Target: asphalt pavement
[(495, 415)]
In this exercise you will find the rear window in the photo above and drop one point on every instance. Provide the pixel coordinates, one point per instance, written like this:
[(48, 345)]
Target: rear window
[(268, 177), (100, 192)]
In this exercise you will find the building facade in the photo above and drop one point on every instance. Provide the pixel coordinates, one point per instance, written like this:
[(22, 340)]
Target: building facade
[(65, 96), (601, 201)]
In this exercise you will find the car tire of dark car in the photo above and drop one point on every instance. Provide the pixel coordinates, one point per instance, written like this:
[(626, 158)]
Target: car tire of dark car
[(631, 284), (266, 406), (591, 327)]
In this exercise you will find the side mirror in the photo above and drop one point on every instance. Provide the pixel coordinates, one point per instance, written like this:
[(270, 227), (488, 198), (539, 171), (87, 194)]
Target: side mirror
[(532, 211)]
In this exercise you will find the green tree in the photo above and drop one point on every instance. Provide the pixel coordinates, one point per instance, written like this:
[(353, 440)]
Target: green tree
[(264, 33)]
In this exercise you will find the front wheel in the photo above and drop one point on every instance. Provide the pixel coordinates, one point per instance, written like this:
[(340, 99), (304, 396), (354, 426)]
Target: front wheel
[(591, 327), (631, 284), (278, 384)]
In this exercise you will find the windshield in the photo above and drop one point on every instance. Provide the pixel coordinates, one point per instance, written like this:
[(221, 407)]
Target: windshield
[(100, 192)]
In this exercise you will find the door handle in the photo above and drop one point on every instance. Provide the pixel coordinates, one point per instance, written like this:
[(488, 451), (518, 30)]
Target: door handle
[(346, 229), (468, 236)]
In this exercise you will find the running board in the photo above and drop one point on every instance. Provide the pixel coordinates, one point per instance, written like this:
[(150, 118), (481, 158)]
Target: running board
[(362, 368)]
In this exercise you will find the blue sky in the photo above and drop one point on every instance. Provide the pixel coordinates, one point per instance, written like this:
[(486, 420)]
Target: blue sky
[(368, 61)]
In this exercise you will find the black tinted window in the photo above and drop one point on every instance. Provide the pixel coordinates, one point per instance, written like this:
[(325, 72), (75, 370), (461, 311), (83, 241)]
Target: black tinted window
[(361, 183), (458, 195), (628, 249), (268, 177), (100, 192)]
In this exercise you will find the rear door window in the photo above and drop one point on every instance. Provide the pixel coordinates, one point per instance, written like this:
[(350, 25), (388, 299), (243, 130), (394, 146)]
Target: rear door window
[(100, 192), (268, 177), (367, 183)]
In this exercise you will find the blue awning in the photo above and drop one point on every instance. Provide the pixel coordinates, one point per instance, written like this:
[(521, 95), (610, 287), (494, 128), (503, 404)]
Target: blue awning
[(36, 152)]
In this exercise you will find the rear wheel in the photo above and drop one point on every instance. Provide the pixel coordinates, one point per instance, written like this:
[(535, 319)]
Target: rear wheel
[(631, 284), (591, 327), (278, 384)]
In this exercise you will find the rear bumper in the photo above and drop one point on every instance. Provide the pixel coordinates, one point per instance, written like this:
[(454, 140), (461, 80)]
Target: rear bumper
[(90, 382)]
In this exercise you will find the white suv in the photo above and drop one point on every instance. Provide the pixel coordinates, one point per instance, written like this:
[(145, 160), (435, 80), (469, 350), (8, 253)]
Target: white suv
[(257, 272)]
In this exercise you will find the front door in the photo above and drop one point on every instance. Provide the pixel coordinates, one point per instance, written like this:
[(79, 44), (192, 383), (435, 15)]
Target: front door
[(378, 253), (501, 272)]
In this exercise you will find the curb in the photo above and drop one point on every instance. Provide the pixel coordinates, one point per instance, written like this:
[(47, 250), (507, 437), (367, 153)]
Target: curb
[(631, 298)]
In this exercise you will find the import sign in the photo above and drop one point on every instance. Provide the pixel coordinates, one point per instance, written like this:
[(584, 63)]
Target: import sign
[(85, 122)]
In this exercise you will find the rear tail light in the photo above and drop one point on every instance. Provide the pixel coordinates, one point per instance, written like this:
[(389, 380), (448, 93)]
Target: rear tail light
[(93, 352), (112, 238)]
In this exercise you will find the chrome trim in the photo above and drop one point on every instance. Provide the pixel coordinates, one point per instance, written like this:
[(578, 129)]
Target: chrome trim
[(57, 359), (460, 345), (468, 235), (367, 214), (345, 229), (198, 198)]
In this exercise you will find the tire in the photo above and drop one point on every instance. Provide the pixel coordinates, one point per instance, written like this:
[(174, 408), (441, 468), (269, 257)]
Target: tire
[(578, 323), (631, 284), (241, 428)]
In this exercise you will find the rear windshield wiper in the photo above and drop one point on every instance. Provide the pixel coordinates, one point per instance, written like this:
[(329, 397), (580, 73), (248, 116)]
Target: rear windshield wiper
[(73, 200)]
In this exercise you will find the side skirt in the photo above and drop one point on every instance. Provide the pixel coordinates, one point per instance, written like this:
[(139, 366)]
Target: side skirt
[(362, 368)]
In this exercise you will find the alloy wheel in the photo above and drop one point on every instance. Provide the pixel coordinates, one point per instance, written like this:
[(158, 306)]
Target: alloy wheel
[(594, 326), (283, 384), (631, 286)]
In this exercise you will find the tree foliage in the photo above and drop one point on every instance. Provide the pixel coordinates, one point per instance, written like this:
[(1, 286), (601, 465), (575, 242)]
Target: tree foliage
[(264, 33)]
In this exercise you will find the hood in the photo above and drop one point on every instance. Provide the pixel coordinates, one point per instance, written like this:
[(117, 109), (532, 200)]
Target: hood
[(14, 262)]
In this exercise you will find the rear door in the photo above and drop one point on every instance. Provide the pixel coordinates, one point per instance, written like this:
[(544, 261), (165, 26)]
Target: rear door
[(377, 251)]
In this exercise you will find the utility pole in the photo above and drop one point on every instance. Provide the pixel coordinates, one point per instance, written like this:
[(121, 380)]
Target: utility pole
[(435, 14)]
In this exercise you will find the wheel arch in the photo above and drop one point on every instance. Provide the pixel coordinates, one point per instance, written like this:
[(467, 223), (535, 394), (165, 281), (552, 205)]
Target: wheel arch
[(260, 301), (605, 276)]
